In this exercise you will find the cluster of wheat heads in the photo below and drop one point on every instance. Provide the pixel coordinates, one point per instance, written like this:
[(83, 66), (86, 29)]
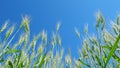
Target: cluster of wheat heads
[(99, 51), (102, 49), (22, 52)]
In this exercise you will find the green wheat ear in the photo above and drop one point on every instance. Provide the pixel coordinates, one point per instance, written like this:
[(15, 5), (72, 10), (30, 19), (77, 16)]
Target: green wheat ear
[(44, 36), (9, 33), (58, 26), (59, 40), (86, 29), (100, 20), (53, 40), (4, 27), (118, 20), (25, 23), (77, 32)]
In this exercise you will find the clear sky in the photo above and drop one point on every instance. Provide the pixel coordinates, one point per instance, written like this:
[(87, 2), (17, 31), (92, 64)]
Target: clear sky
[(71, 13)]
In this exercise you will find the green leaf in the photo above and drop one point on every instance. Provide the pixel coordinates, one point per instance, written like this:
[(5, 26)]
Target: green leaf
[(18, 58), (10, 64), (83, 63), (98, 60), (1, 60), (107, 46), (112, 50), (21, 65), (116, 57), (118, 66), (11, 51)]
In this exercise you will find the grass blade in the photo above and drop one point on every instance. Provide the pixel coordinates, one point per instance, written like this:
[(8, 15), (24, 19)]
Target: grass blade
[(10, 64), (116, 57), (84, 63), (98, 60), (11, 51), (112, 50)]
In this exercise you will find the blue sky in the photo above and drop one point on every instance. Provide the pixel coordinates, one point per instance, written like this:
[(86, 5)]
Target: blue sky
[(71, 13)]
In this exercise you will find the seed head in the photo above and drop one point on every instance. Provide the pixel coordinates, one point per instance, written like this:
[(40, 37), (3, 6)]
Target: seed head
[(4, 27), (25, 23), (77, 32)]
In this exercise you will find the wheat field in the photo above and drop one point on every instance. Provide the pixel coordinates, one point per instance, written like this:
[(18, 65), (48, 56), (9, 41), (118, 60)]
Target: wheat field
[(101, 50)]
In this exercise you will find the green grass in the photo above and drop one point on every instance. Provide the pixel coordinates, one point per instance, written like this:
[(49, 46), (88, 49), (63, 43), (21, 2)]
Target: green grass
[(101, 50)]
